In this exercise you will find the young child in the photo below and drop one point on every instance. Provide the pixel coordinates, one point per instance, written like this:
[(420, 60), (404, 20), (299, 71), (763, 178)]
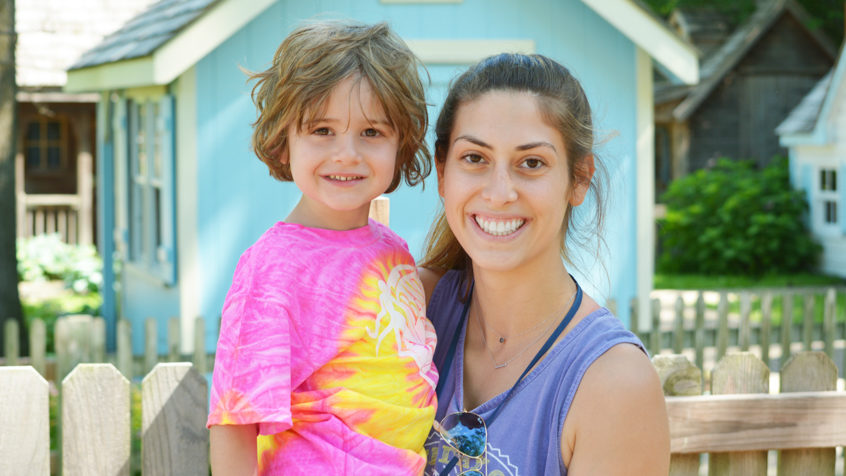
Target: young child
[(324, 361)]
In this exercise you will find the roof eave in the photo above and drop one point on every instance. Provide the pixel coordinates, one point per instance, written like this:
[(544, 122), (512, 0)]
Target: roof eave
[(650, 34), (175, 56), (815, 137)]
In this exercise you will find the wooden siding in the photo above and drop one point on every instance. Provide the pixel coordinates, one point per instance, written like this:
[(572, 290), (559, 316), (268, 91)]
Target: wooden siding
[(739, 118), (233, 188)]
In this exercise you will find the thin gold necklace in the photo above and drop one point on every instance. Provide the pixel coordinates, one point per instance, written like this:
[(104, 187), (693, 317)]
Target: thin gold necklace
[(499, 365)]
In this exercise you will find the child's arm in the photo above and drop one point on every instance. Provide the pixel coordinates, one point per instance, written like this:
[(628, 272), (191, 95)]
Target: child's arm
[(233, 450)]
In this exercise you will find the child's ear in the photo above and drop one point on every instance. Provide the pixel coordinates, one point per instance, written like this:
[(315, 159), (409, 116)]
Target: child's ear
[(283, 157), (583, 173)]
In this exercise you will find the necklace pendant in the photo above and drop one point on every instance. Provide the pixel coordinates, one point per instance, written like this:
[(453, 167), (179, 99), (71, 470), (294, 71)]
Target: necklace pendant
[(502, 340), (499, 366)]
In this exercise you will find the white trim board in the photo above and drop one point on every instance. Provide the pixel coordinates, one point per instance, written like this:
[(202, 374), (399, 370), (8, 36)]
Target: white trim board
[(667, 48), (174, 57), (446, 51)]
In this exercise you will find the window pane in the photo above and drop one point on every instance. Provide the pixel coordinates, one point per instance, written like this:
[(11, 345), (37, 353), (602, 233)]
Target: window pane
[(157, 217), (830, 212), (833, 180), (54, 158), (33, 131), (33, 157), (53, 130)]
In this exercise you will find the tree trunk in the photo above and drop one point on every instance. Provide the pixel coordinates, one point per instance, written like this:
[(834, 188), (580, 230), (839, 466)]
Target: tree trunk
[(10, 303)]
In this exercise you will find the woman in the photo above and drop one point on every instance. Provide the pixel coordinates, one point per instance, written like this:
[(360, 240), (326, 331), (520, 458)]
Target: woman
[(552, 381)]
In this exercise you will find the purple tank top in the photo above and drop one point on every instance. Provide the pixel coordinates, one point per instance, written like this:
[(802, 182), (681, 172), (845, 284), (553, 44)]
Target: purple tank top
[(525, 439)]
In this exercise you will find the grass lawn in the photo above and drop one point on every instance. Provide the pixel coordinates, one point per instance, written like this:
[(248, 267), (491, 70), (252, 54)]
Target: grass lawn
[(698, 281)]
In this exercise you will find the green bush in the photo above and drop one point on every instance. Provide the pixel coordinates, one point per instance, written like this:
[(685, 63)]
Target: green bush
[(47, 257), (738, 220)]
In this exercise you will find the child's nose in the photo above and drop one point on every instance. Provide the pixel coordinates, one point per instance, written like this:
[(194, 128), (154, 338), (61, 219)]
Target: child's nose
[(347, 149)]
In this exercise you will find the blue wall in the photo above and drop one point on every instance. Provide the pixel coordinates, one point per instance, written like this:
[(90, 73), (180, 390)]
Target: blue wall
[(238, 200)]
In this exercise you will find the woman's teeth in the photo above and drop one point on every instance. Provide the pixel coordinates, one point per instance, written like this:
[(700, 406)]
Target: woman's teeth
[(499, 227)]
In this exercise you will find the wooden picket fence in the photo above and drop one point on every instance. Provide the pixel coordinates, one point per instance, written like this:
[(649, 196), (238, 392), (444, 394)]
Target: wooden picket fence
[(82, 339), (736, 424), (742, 418), (694, 328)]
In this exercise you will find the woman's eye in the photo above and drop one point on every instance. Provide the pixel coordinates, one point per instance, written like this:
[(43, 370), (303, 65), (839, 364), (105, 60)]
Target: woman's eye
[(472, 158), (371, 132), (533, 163)]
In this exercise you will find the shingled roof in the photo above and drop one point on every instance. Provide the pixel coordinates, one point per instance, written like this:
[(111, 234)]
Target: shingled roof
[(724, 59), (804, 116), (143, 34)]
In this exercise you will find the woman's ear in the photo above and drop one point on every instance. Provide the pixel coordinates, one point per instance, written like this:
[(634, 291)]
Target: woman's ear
[(583, 174), (439, 167)]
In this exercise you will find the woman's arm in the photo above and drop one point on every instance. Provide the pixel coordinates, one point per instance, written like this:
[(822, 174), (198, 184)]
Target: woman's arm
[(233, 450), (618, 423)]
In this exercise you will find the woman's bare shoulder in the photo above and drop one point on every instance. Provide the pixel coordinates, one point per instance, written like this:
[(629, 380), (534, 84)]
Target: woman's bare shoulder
[(430, 278), (619, 405)]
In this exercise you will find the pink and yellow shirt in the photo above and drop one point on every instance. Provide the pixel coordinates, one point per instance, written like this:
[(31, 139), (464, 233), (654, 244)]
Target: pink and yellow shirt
[(325, 345)]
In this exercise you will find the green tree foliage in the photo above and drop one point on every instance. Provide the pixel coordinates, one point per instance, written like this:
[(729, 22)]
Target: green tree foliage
[(826, 14), (734, 219)]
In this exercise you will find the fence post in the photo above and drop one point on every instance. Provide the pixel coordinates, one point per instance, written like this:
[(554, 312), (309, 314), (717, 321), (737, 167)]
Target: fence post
[(829, 328), (744, 337), (678, 337), (808, 321), (699, 336), (174, 399), (739, 373), (38, 345), (200, 346), (766, 327), (12, 334), (655, 335), (95, 421), (634, 318), (72, 339), (808, 372), (679, 377), (722, 325), (98, 340), (173, 353), (151, 350), (786, 326), (24, 422), (124, 348)]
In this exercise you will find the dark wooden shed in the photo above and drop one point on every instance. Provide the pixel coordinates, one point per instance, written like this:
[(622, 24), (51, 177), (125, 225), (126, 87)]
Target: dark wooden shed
[(752, 76)]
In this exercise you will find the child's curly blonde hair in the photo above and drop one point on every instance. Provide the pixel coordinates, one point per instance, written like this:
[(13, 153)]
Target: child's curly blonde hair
[(317, 56)]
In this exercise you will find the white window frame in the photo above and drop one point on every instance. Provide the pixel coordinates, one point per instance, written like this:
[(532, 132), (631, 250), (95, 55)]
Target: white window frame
[(828, 190), (148, 231)]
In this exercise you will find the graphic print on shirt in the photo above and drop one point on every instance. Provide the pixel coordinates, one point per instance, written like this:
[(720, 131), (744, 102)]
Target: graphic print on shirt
[(439, 455), (403, 312)]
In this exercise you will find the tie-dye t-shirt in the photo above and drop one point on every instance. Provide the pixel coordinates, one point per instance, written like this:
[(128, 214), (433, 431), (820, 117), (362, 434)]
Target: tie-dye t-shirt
[(325, 345)]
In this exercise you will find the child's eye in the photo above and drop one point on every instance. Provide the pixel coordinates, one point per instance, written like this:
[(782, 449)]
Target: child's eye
[(321, 131), (371, 132), (532, 163)]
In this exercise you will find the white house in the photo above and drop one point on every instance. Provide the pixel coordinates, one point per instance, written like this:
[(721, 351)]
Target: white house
[(815, 135)]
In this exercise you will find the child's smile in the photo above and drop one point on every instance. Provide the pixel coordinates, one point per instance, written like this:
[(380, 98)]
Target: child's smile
[(342, 158)]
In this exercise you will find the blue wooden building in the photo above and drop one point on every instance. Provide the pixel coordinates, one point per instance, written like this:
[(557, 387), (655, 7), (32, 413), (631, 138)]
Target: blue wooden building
[(181, 195)]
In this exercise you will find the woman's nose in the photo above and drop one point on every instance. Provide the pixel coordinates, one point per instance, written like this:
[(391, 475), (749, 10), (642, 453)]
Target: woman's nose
[(499, 188)]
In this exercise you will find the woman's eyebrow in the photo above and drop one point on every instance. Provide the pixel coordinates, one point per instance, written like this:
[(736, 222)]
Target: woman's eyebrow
[(532, 145), (474, 140)]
